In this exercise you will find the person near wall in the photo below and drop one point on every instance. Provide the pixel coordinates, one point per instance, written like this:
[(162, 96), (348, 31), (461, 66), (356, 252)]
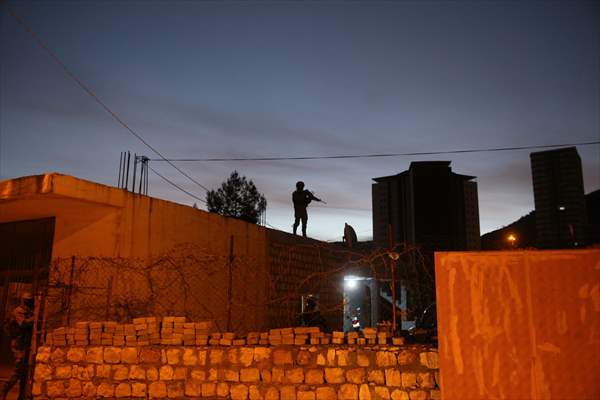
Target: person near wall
[(311, 316), (19, 328), (301, 199)]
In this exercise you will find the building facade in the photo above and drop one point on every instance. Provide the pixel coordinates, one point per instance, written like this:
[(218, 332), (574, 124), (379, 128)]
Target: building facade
[(427, 205), (559, 198)]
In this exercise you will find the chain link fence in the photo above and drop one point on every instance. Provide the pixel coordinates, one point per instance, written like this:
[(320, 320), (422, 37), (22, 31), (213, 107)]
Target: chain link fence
[(239, 293)]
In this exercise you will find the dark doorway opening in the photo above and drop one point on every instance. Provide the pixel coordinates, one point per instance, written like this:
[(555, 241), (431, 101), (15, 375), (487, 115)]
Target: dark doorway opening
[(25, 255)]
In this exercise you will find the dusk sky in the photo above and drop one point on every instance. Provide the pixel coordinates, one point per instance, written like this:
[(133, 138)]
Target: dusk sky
[(282, 78)]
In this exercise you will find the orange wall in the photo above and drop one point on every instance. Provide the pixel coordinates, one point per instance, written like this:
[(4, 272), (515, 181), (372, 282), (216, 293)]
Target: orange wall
[(99, 220), (519, 324), (118, 228)]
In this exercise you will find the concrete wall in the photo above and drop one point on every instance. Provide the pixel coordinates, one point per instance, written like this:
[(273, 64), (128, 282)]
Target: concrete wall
[(103, 221), (519, 324), (136, 255)]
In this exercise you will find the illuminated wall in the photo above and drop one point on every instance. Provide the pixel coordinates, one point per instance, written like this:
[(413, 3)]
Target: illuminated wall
[(519, 324)]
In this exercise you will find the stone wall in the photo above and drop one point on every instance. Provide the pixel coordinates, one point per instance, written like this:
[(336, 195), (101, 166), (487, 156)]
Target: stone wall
[(286, 372)]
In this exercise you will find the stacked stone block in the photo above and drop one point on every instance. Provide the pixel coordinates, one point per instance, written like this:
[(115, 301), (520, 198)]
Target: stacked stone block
[(173, 358), (238, 372), (176, 331)]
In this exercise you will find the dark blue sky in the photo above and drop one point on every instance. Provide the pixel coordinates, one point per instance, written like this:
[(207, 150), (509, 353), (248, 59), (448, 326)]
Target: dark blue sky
[(221, 79)]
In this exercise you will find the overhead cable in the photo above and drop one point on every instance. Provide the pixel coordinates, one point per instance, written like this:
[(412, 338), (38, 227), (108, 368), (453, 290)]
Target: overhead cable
[(176, 186), (422, 153), (93, 95)]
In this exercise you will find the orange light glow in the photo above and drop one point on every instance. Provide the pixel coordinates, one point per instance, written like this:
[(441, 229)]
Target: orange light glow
[(512, 239)]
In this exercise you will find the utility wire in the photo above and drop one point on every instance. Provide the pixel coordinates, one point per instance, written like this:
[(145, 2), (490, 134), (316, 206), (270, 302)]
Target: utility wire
[(423, 153), (93, 95), (175, 185)]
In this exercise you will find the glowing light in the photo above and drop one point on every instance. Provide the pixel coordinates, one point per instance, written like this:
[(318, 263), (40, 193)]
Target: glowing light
[(561, 208), (351, 281), (351, 284), (512, 239)]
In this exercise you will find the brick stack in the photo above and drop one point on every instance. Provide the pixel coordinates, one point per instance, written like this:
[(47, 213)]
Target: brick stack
[(382, 337), (370, 334), (215, 338), (81, 334), (58, 337), (227, 339), (171, 331), (202, 330), (129, 335), (253, 338), (176, 331), (337, 337), (264, 339), (352, 337), (95, 333)]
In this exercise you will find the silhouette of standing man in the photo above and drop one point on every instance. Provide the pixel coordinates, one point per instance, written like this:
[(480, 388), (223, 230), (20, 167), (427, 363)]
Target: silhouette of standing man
[(301, 199), (19, 328)]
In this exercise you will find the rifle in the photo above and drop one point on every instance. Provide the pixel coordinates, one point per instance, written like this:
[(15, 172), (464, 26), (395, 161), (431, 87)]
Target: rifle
[(313, 193)]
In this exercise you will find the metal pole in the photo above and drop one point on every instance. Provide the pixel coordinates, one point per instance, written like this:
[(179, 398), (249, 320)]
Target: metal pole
[(108, 297), (127, 177), (393, 273), (120, 167), (141, 177), (70, 292), (123, 172), (230, 283), (146, 164), (44, 316), (33, 345), (135, 161)]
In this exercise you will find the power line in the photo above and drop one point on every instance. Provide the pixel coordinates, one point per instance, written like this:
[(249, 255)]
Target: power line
[(93, 95), (423, 153), (176, 186)]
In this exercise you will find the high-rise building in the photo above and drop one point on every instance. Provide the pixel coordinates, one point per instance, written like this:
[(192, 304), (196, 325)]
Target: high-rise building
[(428, 205), (559, 198)]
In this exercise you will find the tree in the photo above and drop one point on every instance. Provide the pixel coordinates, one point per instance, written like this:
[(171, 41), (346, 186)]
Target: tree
[(238, 198)]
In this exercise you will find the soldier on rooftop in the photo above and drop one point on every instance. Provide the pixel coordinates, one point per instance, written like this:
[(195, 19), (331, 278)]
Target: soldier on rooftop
[(301, 199)]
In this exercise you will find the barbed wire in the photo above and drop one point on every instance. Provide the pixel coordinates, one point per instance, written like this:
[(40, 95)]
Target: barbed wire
[(192, 281)]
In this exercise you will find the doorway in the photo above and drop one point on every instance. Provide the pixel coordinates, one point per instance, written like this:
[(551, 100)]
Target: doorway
[(25, 254), (360, 302)]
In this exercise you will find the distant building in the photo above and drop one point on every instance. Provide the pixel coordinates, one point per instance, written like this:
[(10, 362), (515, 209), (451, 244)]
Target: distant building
[(428, 205), (524, 228), (559, 198)]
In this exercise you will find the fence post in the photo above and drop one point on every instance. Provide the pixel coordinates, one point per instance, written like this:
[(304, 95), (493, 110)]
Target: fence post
[(230, 282), (33, 344), (108, 297), (70, 292), (393, 273)]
